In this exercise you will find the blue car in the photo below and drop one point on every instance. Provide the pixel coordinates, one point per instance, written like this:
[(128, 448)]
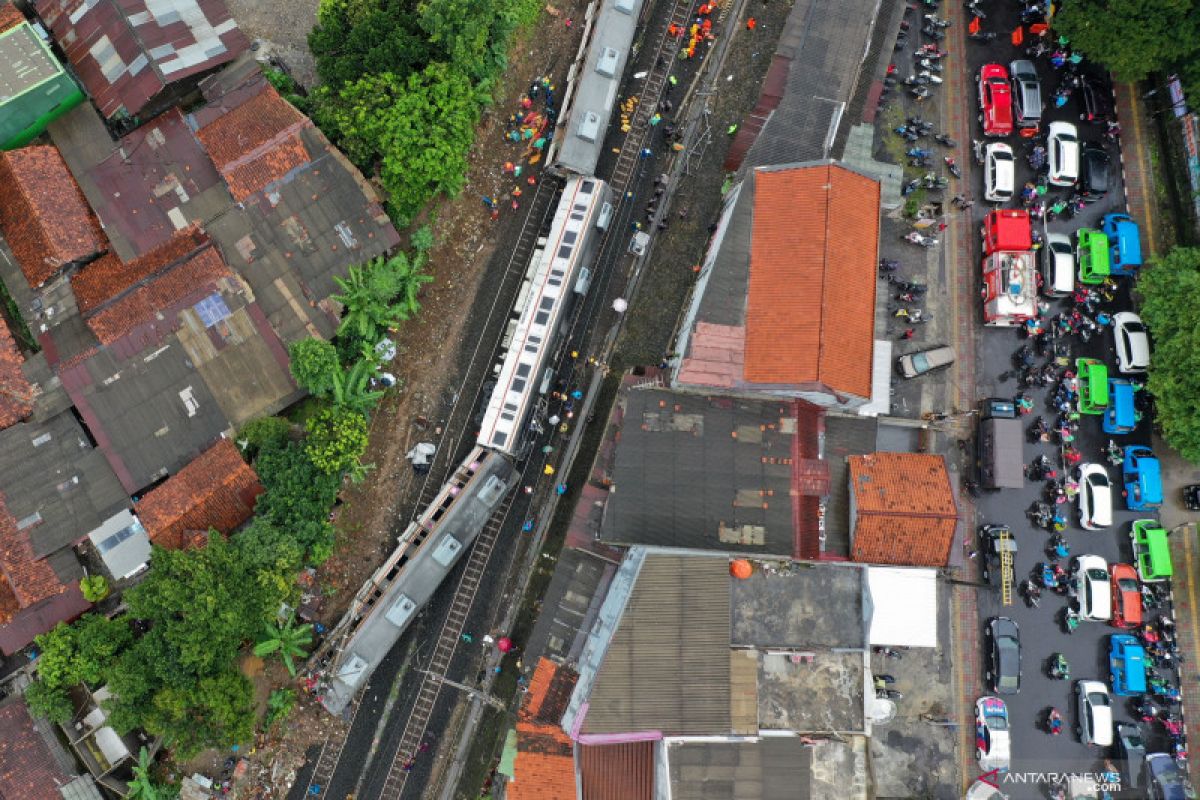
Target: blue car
[(1120, 415), (1127, 665), (1142, 479), (1125, 244)]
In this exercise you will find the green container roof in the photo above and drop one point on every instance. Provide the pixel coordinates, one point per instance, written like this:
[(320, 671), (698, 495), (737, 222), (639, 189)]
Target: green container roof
[(25, 62)]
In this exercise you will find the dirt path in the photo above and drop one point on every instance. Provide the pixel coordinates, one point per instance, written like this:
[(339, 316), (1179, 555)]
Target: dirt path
[(428, 365)]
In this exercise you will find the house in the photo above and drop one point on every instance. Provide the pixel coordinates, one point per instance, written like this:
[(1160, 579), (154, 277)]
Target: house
[(136, 57), (33, 766), (785, 302), (902, 509), (45, 218), (16, 393), (217, 490), (36, 88)]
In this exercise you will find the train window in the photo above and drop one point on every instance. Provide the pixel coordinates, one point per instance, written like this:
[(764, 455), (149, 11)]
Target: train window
[(510, 406), (577, 216), (507, 417), (542, 318), (518, 385), (536, 339), (554, 282), (531, 348), (565, 251), (546, 304), (587, 187), (523, 370), (569, 237), (499, 438)]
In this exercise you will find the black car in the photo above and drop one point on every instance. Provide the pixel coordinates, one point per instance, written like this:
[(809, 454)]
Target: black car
[(1164, 780), (1097, 101), (1094, 173), (1004, 667)]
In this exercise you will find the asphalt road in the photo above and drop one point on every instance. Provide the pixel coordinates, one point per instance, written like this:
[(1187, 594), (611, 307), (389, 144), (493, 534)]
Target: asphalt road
[(1042, 635)]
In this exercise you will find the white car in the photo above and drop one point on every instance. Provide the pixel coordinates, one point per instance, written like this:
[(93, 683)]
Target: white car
[(1095, 497), (1062, 141), (1058, 266), (999, 173), (1095, 713), (1133, 345), (1092, 588), (992, 733)]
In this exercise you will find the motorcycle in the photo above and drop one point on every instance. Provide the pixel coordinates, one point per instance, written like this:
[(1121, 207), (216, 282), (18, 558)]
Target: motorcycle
[(914, 237), (921, 93), (1054, 722), (887, 652), (910, 187), (973, 7), (936, 22), (932, 65), (931, 181), (1070, 619), (944, 140), (930, 32), (931, 76), (914, 316), (1057, 547), (908, 297), (1039, 431), (982, 36), (918, 152), (1060, 668), (1039, 514), (916, 80), (952, 165), (887, 265), (908, 286), (925, 162), (1033, 595), (1116, 455)]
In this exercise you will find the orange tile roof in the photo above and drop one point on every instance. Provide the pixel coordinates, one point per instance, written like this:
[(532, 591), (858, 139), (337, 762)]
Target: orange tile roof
[(44, 216), (10, 16), (544, 768), (16, 393), (256, 143), (905, 511), (810, 313), (108, 276), (143, 303), (29, 580), (217, 490)]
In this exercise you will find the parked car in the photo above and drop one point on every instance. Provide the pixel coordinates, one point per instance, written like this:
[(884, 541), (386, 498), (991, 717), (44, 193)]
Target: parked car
[(999, 174), (1027, 94), (1151, 552), (1058, 266), (1131, 754), (1095, 713), (1093, 173), (1004, 667), (924, 361), (1132, 341), (1126, 596), (992, 744), (1062, 140), (1142, 476), (995, 100), (1092, 588), (1097, 101), (1164, 779), (1095, 497), (1126, 665)]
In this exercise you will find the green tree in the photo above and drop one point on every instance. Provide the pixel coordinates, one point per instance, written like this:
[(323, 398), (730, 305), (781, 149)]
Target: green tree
[(94, 588), (279, 705), (288, 639), (379, 295), (216, 711), (352, 39), (264, 433), (50, 702), (298, 495), (314, 365), (336, 438), (1131, 37), (1169, 287), (143, 786), (83, 652)]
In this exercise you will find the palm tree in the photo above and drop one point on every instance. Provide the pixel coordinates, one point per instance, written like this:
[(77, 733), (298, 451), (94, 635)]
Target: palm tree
[(142, 787), (288, 639)]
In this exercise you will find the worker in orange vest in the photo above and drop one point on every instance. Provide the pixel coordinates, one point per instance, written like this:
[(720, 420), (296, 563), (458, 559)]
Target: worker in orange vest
[(751, 24)]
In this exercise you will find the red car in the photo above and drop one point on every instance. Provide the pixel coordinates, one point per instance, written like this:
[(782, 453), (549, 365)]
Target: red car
[(995, 100), (1126, 597)]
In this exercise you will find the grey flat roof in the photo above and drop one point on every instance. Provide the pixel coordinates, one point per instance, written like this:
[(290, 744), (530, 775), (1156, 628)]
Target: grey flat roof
[(702, 472), (772, 768), (821, 695), (50, 469), (570, 605), (844, 436), (802, 606), (24, 61), (595, 93), (667, 666)]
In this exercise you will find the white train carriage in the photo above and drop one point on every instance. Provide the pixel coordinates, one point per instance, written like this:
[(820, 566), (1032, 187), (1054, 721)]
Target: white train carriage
[(558, 270)]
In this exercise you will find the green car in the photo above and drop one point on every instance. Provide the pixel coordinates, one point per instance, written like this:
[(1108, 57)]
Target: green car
[(1093, 385), (1151, 552), (1092, 253)]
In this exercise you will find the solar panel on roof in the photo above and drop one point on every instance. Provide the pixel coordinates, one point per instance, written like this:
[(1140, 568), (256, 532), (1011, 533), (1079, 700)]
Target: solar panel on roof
[(212, 310)]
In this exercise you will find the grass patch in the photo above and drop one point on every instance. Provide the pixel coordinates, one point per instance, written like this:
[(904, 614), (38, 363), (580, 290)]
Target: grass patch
[(893, 144)]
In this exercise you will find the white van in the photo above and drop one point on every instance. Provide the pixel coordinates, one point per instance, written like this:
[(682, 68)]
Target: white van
[(1058, 266)]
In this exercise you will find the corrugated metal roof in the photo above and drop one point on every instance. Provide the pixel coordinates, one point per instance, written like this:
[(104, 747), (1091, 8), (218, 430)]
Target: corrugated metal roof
[(667, 666), (617, 771), (774, 768)]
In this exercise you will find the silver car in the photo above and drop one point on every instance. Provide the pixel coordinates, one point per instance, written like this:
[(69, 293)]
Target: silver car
[(916, 364)]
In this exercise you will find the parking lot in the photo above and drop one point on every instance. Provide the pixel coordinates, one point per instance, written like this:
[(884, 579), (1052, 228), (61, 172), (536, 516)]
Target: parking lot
[(1042, 629)]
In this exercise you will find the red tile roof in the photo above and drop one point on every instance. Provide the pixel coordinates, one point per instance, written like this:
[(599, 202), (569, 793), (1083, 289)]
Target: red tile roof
[(44, 215), (143, 54), (142, 304), (29, 580), (28, 770), (16, 393), (905, 512), (810, 314), (256, 143), (216, 490), (109, 276), (617, 771), (10, 16), (544, 768)]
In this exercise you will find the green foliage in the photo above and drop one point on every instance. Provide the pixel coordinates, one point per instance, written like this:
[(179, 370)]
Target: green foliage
[(1132, 37), (422, 240), (298, 495), (264, 433), (287, 87), (83, 652), (279, 705), (94, 588), (288, 639), (143, 786), (314, 364), (379, 295), (1169, 288), (352, 39), (218, 710), (336, 438), (49, 702), (352, 389)]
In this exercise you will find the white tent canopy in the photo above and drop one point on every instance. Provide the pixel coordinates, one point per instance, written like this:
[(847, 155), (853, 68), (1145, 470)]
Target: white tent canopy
[(902, 607)]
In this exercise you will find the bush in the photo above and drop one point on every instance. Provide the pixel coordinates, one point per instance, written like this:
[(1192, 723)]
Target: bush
[(336, 438), (264, 433), (1169, 288), (94, 588), (52, 703)]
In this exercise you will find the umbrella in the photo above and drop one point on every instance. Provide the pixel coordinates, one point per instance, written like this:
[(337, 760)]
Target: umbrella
[(504, 644)]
